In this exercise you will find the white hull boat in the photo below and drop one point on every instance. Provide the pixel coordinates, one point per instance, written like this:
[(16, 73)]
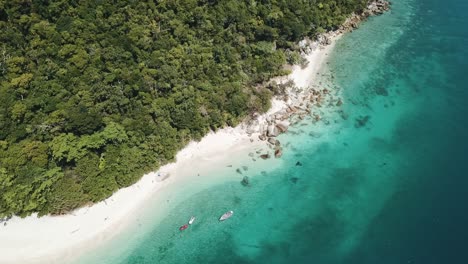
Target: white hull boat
[(192, 219), (226, 215)]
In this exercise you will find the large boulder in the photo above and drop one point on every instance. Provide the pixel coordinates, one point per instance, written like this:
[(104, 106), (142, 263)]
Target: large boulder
[(272, 131), (282, 126)]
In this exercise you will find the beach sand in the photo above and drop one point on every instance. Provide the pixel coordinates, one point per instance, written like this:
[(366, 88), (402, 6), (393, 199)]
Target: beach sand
[(60, 239)]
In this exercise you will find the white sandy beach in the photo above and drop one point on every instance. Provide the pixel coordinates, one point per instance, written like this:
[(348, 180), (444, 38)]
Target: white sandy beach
[(62, 238)]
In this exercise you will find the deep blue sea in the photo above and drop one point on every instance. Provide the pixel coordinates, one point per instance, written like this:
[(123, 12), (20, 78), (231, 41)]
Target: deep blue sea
[(382, 180)]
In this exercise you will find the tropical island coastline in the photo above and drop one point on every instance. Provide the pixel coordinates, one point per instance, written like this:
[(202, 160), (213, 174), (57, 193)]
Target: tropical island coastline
[(74, 232)]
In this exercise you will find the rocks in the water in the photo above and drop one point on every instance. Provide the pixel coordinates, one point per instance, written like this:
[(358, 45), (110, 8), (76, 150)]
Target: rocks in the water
[(381, 91), (339, 103), (307, 104), (245, 181), (294, 180), (274, 141), (361, 121), (317, 117), (272, 131), (278, 153), (282, 126), (343, 115), (238, 171), (315, 134), (291, 109), (245, 168)]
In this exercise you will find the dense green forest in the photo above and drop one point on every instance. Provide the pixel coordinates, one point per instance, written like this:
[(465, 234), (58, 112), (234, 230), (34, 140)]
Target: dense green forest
[(95, 93)]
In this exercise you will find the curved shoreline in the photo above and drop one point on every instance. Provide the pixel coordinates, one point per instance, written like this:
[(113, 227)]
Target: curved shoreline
[(59, 239), (52, 239)]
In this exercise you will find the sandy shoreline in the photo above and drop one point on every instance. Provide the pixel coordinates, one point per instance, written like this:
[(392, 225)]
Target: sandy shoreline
[(63, 238)]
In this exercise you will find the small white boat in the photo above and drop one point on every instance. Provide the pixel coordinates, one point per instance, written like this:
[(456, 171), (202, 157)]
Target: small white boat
[(192, 219), (226, 215)]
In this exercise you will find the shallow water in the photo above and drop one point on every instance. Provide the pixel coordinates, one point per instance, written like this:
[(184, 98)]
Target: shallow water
[(382, 182)]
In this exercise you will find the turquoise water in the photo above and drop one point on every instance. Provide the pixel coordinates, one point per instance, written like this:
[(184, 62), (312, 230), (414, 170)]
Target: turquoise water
[(383, 181)]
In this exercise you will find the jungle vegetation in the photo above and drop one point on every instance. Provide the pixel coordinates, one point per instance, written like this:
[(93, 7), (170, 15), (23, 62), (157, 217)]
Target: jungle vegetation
[(95, 93)]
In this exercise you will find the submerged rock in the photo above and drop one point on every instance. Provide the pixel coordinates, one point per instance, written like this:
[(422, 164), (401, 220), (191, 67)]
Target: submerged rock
[(339, 103), (361, 121), (278, 153), (381, 91), (315, 134), (265, 156), (298, 163), (343, 115), (245, 181), (294, 180)]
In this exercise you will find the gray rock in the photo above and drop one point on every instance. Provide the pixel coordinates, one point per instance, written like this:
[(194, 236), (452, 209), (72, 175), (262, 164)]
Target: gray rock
[(282, 127), (278, 153), (274, 141), (272, 131)]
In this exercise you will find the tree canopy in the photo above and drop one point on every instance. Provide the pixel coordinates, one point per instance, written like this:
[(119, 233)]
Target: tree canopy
[(93, 94)]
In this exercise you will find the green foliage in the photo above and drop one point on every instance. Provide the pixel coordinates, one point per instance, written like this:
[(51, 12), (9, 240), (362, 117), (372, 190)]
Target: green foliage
[(95, 93)]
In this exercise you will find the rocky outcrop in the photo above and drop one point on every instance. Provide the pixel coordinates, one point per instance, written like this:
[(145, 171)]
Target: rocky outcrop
[(278, 153), (324, 40), (299, 104), (377, 7), (374, 8)]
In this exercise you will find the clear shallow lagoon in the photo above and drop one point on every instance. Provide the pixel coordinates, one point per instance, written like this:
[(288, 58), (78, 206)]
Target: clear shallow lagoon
[(388, 189)]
